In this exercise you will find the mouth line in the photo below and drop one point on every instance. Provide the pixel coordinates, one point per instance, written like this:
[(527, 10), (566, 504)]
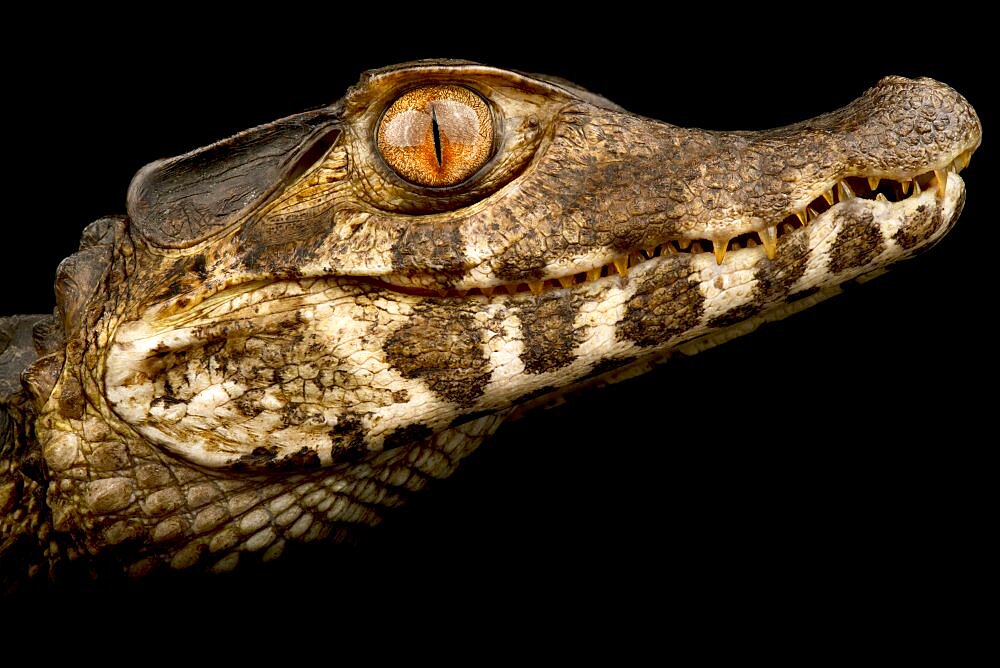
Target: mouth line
[(873, 188)]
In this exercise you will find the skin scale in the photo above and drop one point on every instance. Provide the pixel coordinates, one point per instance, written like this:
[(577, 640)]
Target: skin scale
[(526, 269)]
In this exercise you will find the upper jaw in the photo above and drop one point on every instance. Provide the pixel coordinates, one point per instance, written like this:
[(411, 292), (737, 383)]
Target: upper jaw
[(604, 263)]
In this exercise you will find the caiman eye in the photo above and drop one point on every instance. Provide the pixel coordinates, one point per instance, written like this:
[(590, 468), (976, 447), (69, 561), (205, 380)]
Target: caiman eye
[(436, 135)]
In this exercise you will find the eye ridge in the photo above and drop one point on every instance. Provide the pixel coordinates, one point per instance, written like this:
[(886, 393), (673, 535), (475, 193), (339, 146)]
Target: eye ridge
[(436, 136)]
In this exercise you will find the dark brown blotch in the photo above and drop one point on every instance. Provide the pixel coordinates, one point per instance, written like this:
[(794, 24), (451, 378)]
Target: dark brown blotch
[(442, 346), (858, 242), (348, 438), (407, 435), (919, 229), (666, 303), (549, 336), (775, 279)]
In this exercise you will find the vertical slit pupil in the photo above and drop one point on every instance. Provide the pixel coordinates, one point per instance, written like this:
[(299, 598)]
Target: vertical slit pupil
[(437, 135)]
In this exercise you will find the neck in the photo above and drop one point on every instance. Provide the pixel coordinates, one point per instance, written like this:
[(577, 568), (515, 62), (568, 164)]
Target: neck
[(25, 522)]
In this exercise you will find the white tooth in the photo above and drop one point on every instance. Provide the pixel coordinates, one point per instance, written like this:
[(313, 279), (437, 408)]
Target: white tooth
[(881, 198), (769, 237), (916, 187), (942, 183), (844, 191)]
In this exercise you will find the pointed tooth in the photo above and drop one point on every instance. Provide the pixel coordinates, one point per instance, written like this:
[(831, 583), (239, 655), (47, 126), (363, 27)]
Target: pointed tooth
[(873, 182), (536, 286), (942, 182), (905, 183), (621, 264), (567, 281), (881, 198), (720, 247), (916, 187), (811, 213), (828, 196), (511, 288), (670, 249), (963, 160), (801, 215), (651, 252), (844, 191), (488, 291), (684, 244), (769, 237), (594, 274)]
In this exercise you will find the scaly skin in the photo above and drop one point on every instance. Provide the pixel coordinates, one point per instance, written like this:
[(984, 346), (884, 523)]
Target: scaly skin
[(283, 338)]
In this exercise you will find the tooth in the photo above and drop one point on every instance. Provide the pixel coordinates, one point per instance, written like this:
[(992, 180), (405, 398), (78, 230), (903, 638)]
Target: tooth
[(594, 274), (881, 198), (511, 288), (873, 182), (942, 182), (536, 286), (788, 228), (769, 237), (567, 281), (905, 183), (801, 215), (916, 187), (751, 243), (963, 160), (734, 245), (670, 248), (844, 191), (488, 291), (828, 196), (684, 243), (651, 252), (621, 264), (720, 247), (811, 213), (695, 247)]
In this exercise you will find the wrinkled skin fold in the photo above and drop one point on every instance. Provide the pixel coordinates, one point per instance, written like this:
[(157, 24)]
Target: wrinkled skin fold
[(284, 338)]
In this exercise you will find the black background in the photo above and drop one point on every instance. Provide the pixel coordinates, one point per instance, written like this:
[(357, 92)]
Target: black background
[(834, 460)]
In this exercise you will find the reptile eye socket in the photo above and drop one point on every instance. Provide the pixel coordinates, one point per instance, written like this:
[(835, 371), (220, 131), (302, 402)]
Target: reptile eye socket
[(436, 135)]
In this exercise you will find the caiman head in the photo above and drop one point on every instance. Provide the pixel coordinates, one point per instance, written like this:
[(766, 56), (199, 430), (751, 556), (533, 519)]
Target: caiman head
[(297, 326)]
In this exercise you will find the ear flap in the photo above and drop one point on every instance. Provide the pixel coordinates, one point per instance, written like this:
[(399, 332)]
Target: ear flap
[(177, 202)]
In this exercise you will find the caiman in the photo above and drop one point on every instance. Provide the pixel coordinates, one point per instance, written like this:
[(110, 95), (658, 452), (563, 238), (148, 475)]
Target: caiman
[(293, 329)]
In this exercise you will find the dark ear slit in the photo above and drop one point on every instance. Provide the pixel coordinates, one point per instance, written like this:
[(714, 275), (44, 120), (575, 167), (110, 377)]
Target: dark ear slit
[(178, 202), (304, 162)]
